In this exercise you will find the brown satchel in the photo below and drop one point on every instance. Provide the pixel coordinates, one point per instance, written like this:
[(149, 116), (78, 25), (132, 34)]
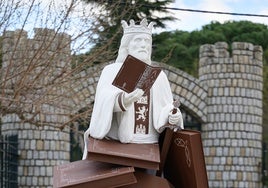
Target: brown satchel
[(182, 159)]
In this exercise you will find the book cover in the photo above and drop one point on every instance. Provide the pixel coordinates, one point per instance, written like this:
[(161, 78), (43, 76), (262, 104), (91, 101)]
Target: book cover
[(134, 73), (84, 173), (145, 180), (185, 163), (137, 155)]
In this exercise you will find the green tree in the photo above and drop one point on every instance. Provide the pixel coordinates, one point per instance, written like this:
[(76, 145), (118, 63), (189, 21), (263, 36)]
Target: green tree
[(232, 31), (113, 11)]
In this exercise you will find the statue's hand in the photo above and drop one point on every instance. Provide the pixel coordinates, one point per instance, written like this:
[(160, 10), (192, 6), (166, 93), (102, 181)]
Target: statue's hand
[(175, 118), (129, 98)]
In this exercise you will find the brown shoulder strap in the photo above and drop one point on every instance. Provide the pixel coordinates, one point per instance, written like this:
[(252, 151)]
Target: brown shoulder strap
[(164, 151)]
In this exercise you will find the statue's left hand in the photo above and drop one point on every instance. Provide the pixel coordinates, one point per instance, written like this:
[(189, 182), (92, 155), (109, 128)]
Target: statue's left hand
[(174, 119), (129, 98)]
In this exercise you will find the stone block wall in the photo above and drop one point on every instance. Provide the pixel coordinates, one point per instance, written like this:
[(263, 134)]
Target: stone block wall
[(40, 149), (233, 131), (37, 62)]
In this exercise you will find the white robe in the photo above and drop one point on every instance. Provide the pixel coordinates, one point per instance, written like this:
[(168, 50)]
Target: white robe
[(120, 125)]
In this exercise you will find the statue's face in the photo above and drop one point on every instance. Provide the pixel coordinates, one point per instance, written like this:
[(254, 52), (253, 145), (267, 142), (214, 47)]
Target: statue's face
[(140, 47)]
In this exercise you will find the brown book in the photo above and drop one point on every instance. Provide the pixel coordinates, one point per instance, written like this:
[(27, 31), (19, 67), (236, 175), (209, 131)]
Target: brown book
[(164, 141), (145, 180), (185, 163), (134, 73), (137, 155), (84, 173)]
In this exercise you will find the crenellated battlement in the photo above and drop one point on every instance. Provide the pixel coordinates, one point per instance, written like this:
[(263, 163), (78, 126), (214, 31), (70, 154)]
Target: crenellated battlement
[(245, 61), (47, 47), (219, 49), (48, 39), (239, 50)]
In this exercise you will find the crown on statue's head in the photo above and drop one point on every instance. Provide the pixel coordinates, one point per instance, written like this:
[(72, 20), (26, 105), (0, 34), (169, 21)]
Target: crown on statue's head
[(133, 28)]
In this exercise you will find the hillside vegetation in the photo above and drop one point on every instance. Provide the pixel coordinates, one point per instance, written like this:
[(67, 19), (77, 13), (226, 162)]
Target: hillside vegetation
[(181, 49)]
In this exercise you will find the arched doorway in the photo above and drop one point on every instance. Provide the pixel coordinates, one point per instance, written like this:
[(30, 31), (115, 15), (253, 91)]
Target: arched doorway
[(190, 122)]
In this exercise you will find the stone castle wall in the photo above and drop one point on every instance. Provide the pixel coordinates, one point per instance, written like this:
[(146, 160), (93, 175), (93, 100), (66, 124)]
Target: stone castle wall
[(40, 147), (226, 99), (233, 131)]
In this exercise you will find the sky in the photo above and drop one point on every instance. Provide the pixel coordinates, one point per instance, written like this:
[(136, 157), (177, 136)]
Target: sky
[(187, 21), (190, 21)]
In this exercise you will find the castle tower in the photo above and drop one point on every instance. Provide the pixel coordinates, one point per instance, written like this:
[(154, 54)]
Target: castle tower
[(29, 75), (233, 131)]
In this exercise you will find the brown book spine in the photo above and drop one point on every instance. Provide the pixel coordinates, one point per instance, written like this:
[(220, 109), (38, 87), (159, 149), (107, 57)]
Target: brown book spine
[(112, 151), (167, 140), (123, 161), (164, 151), (199, 162), (86, 173), (111, 182)]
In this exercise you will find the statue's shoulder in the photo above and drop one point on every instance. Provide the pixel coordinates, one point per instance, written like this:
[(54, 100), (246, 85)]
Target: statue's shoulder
[(113, 65), (112, 68), (163, 74)]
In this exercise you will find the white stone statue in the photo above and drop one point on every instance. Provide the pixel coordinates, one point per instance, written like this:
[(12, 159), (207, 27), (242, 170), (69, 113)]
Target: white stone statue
[(132, 117)]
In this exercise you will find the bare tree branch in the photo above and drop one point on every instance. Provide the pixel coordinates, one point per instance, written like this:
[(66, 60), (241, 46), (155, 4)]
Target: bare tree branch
[(41, 73)]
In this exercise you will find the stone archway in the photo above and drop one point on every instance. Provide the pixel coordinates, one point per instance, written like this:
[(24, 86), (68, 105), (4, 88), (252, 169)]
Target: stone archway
[(190, 91)]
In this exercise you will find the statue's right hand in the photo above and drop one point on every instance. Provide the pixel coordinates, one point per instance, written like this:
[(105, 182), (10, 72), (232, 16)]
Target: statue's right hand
[(129, 98)]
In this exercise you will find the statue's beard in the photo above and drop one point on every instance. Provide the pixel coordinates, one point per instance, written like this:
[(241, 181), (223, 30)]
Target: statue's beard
[(142, 55)]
